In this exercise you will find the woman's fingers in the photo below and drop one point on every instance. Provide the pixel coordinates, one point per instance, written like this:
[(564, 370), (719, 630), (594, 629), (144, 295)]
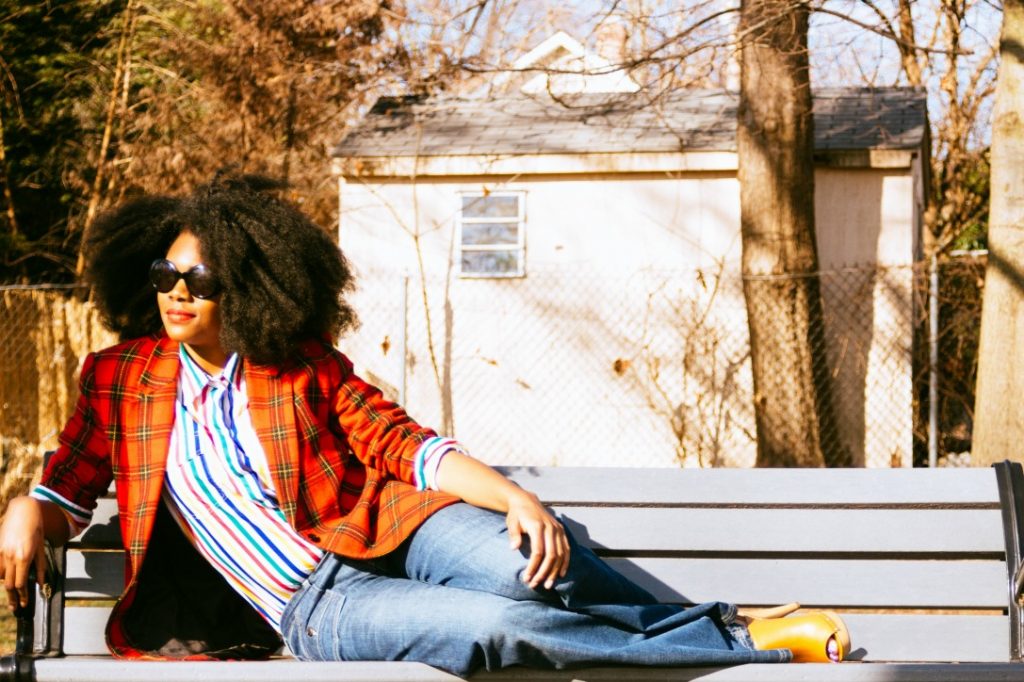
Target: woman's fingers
[(530, 575), (549, 546), (21, 546), (515, 532), (549, 554), (12, 596), (552, 564), (564, 569), (15, 575), (21, 582)]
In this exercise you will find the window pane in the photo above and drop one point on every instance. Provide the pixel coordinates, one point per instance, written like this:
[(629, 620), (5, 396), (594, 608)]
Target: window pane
[(490, 262), (490, 207), (474, 234)]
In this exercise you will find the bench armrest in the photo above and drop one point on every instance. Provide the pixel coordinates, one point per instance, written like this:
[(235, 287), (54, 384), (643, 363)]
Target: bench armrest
[(1010, 479)]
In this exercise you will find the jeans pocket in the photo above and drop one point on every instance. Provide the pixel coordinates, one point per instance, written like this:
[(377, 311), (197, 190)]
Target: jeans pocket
[(321, 640)]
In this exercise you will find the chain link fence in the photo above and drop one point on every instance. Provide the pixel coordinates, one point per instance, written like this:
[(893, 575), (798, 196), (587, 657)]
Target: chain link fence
[(45, 332), (651, 368), (957, 286)]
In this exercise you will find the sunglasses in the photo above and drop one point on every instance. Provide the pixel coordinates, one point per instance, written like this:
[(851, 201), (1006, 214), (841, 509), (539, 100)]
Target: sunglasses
[(201, 282)]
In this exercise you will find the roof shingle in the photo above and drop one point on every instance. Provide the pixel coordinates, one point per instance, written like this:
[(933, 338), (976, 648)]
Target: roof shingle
[(692, 120)]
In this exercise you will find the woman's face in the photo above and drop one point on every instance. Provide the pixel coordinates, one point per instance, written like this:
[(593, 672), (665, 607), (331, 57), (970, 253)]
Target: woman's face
[(187, 319)]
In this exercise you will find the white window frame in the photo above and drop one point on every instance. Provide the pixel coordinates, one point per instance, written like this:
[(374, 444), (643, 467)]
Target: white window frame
[(519, 247)]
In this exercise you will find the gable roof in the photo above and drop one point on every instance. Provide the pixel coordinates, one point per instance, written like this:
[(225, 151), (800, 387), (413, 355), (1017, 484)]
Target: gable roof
[(686, 121), (562, 65)]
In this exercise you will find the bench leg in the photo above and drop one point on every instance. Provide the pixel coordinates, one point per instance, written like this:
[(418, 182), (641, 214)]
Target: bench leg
[(40, 623), (17, 667)]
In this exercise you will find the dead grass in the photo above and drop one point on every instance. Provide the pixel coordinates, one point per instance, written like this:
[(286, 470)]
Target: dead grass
[(8, 630)]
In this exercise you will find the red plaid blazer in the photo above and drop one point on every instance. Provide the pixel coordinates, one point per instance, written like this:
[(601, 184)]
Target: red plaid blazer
[(340, 455)]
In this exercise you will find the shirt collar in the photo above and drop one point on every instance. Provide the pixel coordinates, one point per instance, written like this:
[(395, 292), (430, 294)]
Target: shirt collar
[(195, 381)]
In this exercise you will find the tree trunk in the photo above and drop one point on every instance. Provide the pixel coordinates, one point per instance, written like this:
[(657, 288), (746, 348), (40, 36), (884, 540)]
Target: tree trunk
[(999, 418), (775, 144)]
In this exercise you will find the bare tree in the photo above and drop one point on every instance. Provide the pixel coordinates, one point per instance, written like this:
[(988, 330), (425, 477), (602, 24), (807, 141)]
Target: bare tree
[(959, 201), (944, 47), (263, 86), (999, 423)]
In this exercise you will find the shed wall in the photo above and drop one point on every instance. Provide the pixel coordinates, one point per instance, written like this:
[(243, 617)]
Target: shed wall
[(582, 362)]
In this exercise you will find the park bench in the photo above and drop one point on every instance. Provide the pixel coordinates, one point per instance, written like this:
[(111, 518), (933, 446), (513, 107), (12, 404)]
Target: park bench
[(924, 565)]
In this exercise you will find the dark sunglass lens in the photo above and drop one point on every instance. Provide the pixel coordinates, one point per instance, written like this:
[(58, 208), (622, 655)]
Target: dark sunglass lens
[(163, 275), (201, 282)]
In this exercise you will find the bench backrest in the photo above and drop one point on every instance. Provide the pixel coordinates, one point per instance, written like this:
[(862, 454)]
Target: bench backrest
[(919, 562)]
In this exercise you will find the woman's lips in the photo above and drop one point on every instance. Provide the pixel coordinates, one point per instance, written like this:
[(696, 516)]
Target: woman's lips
[(179, 316)]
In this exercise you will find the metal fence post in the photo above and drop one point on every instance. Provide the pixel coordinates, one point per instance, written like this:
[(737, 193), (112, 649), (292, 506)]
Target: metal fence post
[(403, 343), (933, 362)]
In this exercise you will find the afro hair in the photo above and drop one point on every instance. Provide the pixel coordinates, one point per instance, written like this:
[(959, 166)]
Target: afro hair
[(283, 278)]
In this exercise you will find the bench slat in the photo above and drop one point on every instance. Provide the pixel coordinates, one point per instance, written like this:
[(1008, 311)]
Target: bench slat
[(789, 530), (94, 575), (807, 672), (875, 637), (706, 529), (818, 582), (721, 487), (83, 630), (104, 670), (811, 581), (983, 639), (104, 530), (897, 487)]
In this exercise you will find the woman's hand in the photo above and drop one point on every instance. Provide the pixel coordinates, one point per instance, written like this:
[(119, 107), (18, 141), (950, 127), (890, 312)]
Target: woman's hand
[(480, 485), (549, 547), (21, 545)]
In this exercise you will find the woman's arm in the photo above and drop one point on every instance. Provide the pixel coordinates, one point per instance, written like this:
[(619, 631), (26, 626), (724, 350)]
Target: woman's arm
[(74, 477), (383, 437), (482, 486), (27, 523)]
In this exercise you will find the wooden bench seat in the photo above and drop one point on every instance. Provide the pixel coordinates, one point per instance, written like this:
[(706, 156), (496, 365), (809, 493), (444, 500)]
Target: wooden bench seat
[(924, 565)]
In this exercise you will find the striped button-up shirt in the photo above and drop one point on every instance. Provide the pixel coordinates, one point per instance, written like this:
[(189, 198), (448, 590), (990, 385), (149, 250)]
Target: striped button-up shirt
[(218, 488)]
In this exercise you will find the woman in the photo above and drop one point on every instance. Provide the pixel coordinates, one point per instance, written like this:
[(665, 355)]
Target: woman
[(267, 492)]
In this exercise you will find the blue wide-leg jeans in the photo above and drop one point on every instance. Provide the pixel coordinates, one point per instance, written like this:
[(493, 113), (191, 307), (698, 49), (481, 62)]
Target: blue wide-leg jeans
[(453, 597)]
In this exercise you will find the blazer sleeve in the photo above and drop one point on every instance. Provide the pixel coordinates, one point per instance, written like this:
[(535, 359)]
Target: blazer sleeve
[(79, 471), (379, 432)]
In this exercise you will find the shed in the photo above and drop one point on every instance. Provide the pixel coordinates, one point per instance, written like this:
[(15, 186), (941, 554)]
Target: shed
[(554, 277)]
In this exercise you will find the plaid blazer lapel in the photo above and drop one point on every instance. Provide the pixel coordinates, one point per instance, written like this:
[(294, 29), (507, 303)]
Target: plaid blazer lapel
[(149, 421), (272, 411)]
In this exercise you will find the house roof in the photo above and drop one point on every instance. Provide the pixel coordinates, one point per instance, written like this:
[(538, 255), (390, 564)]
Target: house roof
[(694, 120)]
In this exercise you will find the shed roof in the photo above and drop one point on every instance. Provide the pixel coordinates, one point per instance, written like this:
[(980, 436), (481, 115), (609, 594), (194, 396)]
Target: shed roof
[(692, 120)]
